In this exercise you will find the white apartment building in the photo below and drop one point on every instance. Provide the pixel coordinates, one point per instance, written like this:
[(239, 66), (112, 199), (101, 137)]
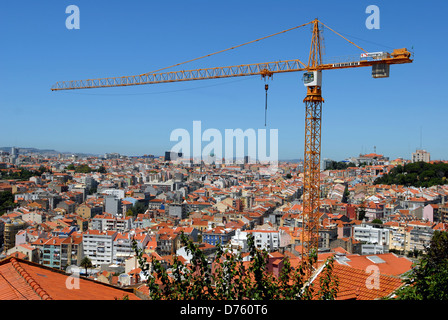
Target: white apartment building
[(374, 240), (98, 246), (117, 193), (109, 222), (264, 239)]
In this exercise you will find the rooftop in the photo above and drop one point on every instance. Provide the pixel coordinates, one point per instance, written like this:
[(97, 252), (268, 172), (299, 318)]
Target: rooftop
[(24, 280)]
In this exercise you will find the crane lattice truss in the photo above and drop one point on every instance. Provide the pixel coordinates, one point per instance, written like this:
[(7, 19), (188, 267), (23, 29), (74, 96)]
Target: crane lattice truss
[(379, 61)]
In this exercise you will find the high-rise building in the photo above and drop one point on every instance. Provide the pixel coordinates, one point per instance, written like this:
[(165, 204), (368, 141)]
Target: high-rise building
[(113, 205), (421, 155), (14, 155), (171, 156), (10, 230)]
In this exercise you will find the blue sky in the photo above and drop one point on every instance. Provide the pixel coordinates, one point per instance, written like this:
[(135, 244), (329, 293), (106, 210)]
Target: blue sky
[(119, 38)]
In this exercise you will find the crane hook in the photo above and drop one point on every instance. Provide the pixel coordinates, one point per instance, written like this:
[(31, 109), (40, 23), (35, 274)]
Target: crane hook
[(266, 87)]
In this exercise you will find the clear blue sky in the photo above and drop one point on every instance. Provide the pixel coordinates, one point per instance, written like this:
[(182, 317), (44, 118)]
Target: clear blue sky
[(131, 37)]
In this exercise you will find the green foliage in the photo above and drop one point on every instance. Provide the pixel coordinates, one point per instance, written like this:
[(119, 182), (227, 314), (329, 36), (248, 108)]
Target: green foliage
[(83, 168), (22, 175), (92, 190), (428, 279), (362, 211), (86, 263), (346, 195), (6, 201), (101, 169), (137, 208), (418, 174), (228, 277), (339, 165), (328, 283)]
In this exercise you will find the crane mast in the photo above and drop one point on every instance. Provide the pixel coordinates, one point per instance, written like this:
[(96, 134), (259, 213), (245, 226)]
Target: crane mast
[(311, 161), (312, 78)]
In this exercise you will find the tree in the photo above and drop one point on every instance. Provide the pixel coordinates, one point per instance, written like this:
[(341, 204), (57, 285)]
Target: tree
[(339, 165), (418, 174), (86, 263), (137, 208), (362, 211), (228, 277), (21, 174), (6, 201), (346, 195), (93, 190), (428, 279), (83, 168), (101, 169)]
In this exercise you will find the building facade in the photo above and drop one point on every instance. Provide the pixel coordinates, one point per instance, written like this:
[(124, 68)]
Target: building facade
[(421, 155), (98, 246)]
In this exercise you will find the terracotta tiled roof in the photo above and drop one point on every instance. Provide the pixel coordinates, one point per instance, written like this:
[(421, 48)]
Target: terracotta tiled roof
[(389, 263), (361, 285), (24, 280)]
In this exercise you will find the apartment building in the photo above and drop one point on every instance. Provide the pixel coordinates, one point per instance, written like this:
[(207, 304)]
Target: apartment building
[(397, 236), (56, 252), (88, 211), (264, 239), (122, 245), (374, 239), (420, 234), (11, 228), (421, 155), (108, 221), (167, 242), (98, 246), (374, 211), (217, 235)]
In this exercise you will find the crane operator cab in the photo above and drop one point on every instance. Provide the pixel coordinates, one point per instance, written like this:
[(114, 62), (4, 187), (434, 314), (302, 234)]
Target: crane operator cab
[(312, 78)]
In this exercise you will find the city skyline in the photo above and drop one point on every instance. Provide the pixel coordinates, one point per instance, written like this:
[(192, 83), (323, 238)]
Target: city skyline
[(32, 150), (360, 114)]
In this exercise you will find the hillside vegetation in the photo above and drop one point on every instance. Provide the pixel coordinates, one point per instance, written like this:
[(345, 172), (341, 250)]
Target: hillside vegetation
[(418, 174)]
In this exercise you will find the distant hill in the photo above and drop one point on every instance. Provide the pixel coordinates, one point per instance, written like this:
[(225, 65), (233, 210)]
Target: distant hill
[(292, 160), (41, 151)]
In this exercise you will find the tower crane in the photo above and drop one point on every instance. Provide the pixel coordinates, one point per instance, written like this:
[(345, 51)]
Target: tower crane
[(312, 78)]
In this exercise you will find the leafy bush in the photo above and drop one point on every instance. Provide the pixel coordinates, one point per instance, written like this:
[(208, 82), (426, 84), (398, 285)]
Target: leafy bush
[(228, 277)]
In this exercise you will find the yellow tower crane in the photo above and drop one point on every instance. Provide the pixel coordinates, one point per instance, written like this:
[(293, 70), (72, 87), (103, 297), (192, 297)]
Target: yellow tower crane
[(312, 78)]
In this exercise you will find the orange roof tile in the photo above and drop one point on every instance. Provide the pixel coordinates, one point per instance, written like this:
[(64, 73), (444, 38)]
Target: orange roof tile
[(357, 284), (24, 280), (392, 265)]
